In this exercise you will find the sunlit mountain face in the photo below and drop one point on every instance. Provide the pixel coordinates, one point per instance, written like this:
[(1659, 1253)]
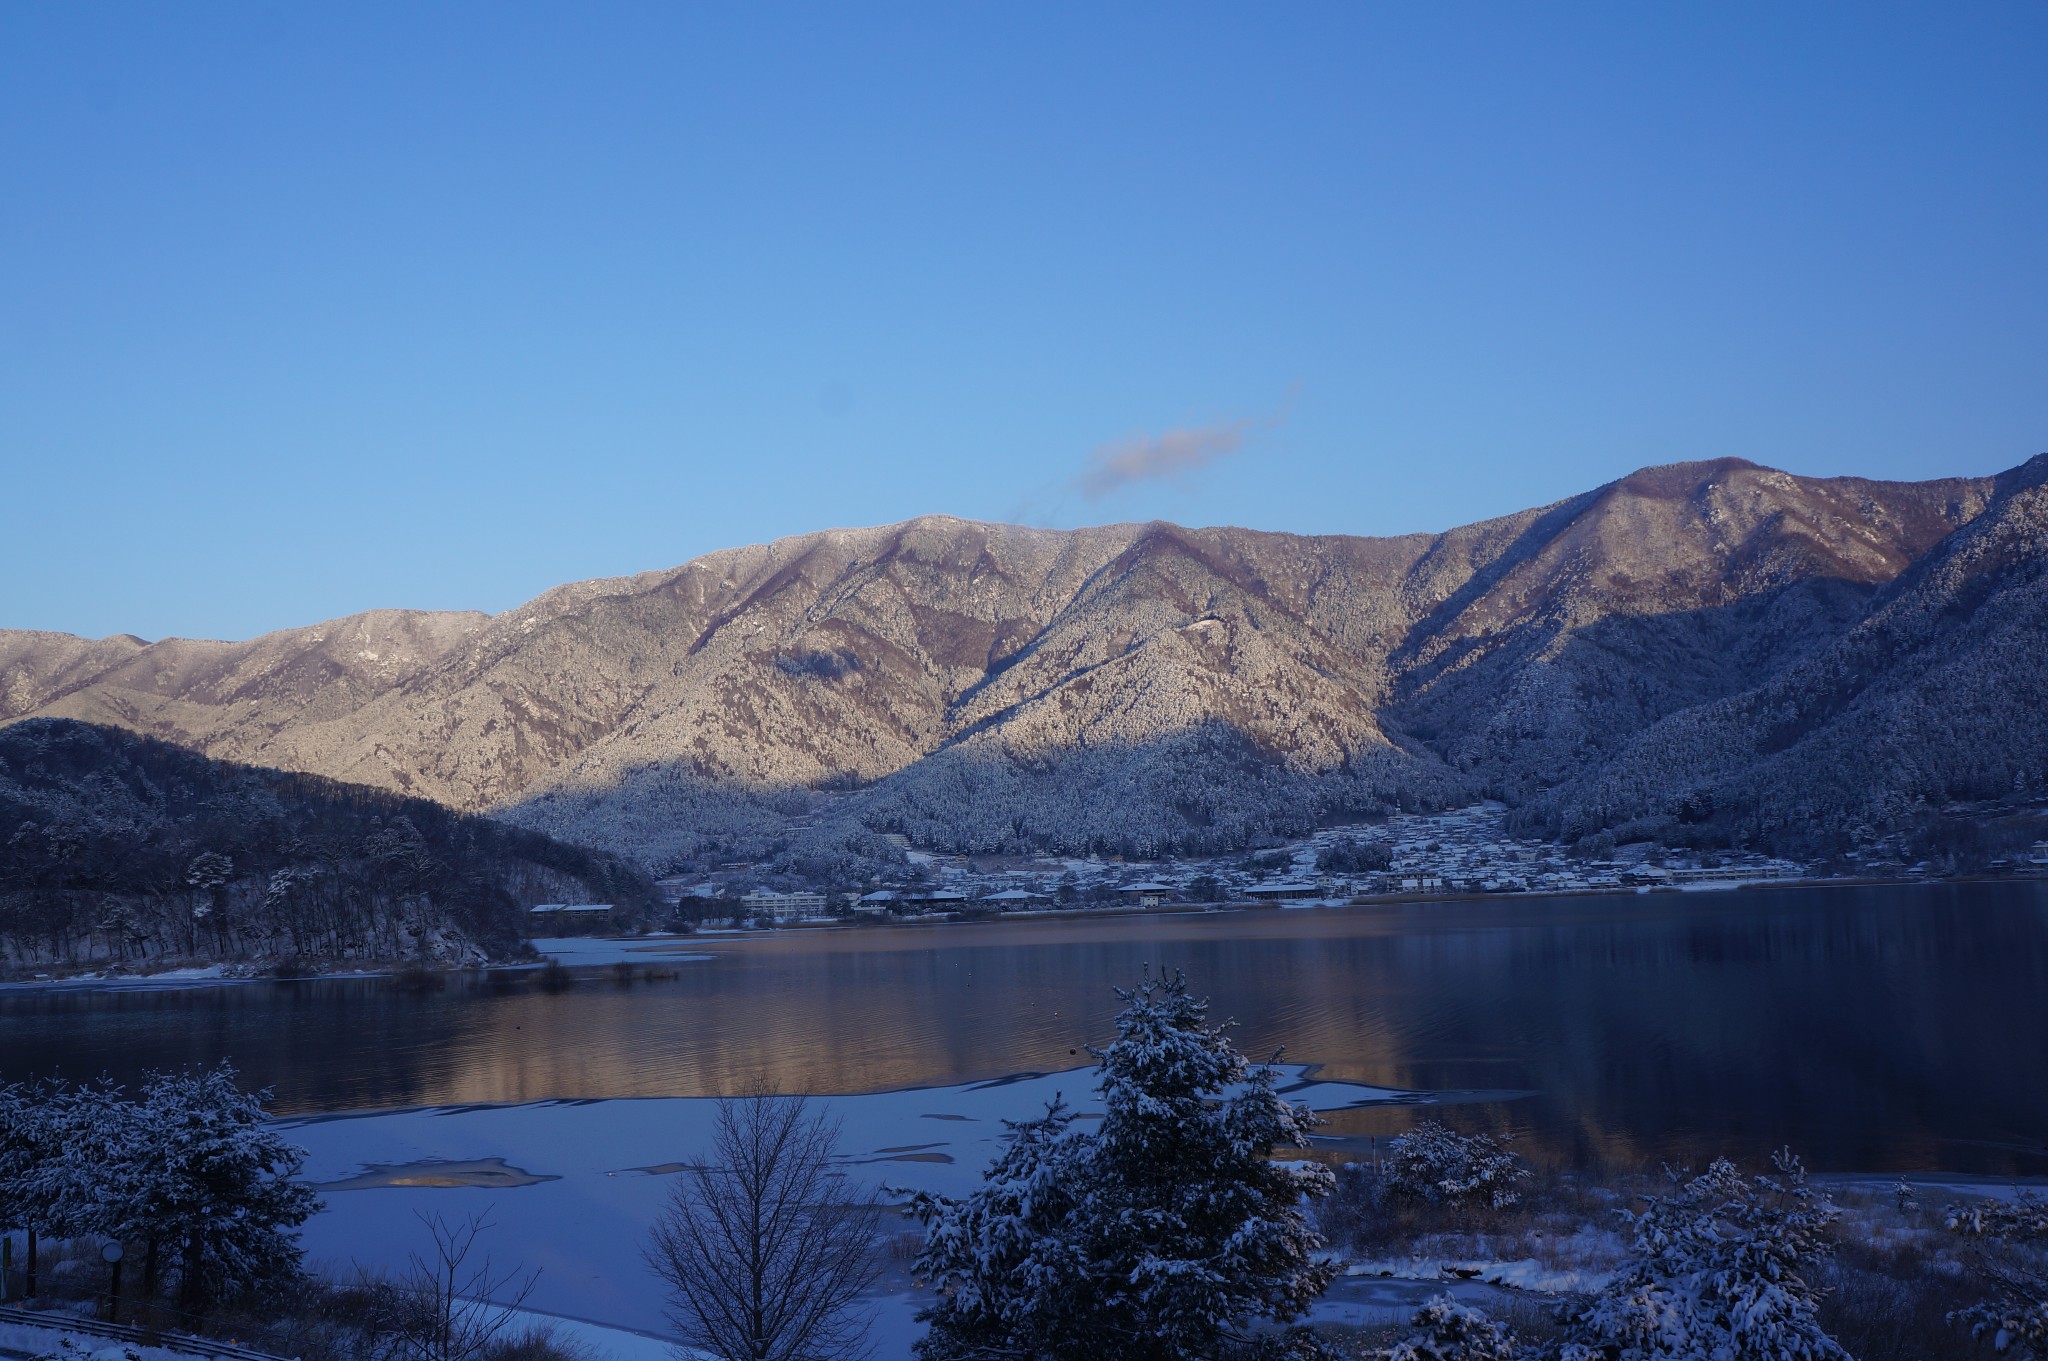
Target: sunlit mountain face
[(1716, 651)]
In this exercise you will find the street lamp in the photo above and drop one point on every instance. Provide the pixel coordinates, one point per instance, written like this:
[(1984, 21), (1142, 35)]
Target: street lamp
[(111, 1255)]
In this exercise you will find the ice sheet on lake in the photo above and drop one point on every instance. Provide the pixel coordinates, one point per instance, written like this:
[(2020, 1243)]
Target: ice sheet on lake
[(587, 950), (614, 1164)]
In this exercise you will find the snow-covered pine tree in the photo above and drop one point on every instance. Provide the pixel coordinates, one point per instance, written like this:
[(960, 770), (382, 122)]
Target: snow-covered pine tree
[(1434, 1163), (107, 1180), (2013, 1317), (1167, 1233), (1013, 1231), (67, 1158), (215, 1186), (2022, 1219), (1446, 1330), (31, 1145), (77, 1182), (1718, 1273), (2013, 1320)]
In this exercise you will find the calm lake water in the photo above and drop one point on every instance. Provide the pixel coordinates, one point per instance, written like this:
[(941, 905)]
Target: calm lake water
[(1873, 1029)]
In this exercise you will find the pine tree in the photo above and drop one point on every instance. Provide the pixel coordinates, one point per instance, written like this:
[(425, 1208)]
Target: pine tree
[(1435, 1164), (108, 1172), (1167, 1233), (1719, 1272), (1006, 1253), (1446, 1330), (31, 1148), (215, 1187), (2013, 1317)]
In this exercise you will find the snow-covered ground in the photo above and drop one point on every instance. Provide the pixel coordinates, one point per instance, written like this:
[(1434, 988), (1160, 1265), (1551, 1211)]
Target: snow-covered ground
[(192, 976), (600, 1341), (571, 950), (53, 1339), (573, 1186), (196, 977)]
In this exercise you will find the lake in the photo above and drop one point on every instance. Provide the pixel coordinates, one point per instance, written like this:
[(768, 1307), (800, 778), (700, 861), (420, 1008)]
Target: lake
[(1871, 1028)]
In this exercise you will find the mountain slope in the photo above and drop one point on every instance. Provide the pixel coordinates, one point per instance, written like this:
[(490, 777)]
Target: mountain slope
[(1126, 687), (1939, 693)]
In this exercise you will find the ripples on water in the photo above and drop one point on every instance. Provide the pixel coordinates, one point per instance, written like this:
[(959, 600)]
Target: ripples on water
[(1873, 1028)]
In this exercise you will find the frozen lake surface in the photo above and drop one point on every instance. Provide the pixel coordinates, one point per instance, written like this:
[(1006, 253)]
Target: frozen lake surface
[(590, 1177)]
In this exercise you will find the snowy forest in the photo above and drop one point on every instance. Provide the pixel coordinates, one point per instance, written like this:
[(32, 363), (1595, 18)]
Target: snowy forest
[(120, 849)]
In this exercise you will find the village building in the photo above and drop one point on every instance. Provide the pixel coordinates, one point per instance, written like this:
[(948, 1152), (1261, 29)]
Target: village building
[(562, 917), (1279, 890), (763, 902)]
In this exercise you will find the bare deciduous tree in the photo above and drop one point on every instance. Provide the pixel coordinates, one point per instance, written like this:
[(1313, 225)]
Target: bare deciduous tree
[(465, 1309), (765, 1247)]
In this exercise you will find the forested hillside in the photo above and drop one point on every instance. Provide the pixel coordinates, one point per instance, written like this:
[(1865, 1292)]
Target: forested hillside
[(124, 849), (1938, 693)]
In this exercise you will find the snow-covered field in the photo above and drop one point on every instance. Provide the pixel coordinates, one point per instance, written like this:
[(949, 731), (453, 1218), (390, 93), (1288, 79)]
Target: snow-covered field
[(573, 1186)]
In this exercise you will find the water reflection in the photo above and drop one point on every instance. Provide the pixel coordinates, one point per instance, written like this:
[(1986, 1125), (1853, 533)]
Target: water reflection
[(1871, 1028)]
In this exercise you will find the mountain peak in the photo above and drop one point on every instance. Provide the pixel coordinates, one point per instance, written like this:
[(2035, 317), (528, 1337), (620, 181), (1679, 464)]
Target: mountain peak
[(1675, 481)]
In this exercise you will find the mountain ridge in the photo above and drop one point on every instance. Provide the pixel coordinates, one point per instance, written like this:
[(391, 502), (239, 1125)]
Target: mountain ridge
[(874, 670)]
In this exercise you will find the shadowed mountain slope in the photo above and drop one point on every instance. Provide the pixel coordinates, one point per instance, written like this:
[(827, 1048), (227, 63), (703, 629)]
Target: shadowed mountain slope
[(119, 848), (1939, 692), (1132, 687)]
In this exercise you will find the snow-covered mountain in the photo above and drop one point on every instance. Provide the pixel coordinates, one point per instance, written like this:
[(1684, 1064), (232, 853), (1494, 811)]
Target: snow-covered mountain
[(1144, 686)]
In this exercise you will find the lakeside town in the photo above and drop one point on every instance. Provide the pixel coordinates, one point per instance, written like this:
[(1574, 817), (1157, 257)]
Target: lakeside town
[(1463, 852)]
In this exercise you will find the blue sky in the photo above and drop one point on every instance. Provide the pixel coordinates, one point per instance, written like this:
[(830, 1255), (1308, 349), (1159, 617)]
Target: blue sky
[(311, 309)]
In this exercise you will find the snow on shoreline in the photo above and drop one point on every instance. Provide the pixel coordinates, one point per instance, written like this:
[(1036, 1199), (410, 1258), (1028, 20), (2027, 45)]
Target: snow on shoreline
[(192, 976), (596, 1174), (574, 951), (649, 949)]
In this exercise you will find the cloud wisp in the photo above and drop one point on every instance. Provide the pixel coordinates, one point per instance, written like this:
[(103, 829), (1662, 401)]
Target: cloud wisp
[(1172, 453)]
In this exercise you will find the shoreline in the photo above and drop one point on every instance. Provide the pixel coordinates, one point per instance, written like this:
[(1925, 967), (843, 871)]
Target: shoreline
[(672, 948)]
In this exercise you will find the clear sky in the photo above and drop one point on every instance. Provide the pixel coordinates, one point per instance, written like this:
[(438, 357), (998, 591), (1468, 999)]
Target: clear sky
[(312, 308)]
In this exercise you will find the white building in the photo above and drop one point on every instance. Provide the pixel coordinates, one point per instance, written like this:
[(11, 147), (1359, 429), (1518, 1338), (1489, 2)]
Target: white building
[(762, 902), (1735, 874)]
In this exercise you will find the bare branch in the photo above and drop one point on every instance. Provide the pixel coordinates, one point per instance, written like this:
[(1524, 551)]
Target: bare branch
[(765, 1247), (466, 1307)]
